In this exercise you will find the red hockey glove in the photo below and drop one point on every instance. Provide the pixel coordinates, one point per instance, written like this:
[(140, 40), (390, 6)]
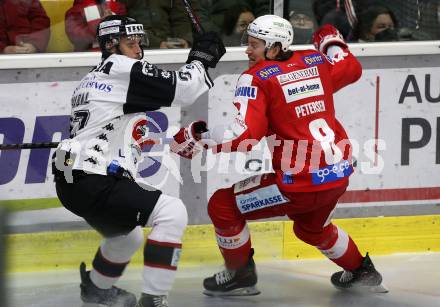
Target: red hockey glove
[(327, 36), (185, 141)]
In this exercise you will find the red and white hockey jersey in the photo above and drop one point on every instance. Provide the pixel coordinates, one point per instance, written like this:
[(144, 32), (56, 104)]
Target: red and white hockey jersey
[(291, 103)]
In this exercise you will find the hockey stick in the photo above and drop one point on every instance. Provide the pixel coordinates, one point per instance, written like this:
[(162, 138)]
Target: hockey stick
[(351, 13), (55, 144), (193, 17), (28, 146)]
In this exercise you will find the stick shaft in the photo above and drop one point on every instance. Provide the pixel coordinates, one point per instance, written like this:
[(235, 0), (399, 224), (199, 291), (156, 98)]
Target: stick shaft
[(193, 17), (28, 146), (55, 144)]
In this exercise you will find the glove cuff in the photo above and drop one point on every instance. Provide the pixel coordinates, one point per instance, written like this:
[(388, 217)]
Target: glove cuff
[(330, 40)]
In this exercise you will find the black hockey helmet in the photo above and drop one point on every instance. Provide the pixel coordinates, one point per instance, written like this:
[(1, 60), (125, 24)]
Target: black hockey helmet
[(113, 27)]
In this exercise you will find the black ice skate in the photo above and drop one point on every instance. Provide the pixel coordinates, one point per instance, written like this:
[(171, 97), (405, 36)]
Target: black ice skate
[(148, 300), (92, 296), (363, 278), (240, 282)]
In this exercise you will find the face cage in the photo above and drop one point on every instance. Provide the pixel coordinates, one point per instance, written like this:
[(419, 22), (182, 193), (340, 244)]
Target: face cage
[(114, 41)]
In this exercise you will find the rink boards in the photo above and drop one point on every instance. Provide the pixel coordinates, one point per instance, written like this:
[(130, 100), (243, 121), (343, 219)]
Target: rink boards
[(272, 240), (390, 114)]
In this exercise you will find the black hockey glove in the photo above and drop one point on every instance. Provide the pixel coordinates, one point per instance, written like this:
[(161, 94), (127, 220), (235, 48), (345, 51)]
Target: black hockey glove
[(207, 48)]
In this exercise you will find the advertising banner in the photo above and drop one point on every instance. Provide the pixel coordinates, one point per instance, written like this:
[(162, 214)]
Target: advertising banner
[(39, 112), (392, 117)]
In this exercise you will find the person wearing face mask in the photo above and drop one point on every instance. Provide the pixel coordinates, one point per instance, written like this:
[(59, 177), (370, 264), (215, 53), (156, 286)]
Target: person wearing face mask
[(287, 97), (372, 21), (303, 27), (302, 20)]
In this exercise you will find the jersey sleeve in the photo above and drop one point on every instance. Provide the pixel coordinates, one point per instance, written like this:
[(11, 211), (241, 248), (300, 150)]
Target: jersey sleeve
[(345, 68), (151, 87), (250, 123)]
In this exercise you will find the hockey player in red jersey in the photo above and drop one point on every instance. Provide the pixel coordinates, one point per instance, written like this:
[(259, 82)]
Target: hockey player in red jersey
[(288, 95)]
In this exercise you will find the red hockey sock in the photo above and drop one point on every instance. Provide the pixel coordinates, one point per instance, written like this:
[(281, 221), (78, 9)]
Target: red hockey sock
[(342, 250), (235, 246)]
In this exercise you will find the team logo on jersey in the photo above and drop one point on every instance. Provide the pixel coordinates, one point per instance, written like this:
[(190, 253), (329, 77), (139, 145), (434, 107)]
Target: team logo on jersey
[(246, 91), (166, 74), (302, 89), (149, 70), (313, 59), (298, 75), (261, 198), (139, 132), (269, 71), (332, 172)]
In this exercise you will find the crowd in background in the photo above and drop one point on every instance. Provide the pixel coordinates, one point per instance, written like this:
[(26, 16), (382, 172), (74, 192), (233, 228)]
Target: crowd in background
[(25, 26)]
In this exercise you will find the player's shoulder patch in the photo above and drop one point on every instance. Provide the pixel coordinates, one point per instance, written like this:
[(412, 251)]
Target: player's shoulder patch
[(313, 59), (269, 71)]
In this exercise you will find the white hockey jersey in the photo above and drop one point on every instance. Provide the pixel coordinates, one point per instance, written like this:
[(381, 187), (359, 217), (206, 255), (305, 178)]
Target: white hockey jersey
[(108, 121)]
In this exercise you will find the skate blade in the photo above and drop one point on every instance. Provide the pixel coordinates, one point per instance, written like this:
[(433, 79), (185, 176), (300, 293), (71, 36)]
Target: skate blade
[(247, 291), (104, 305), (365, 289), (378, 289)]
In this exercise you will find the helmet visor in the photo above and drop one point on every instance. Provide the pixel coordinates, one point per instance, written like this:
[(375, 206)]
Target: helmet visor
[(244, 39)]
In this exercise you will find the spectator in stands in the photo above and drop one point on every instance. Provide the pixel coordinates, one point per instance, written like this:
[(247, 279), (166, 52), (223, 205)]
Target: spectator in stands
[(166, 24), (418, 19), (84, 16), (374, 20), (217, 10), (301, 19), (24, 26), (235, 22)]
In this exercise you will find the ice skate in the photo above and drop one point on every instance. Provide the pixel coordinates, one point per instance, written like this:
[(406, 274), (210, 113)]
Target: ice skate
[(148, 300), (363, 278), (93, 296), (239, 282)]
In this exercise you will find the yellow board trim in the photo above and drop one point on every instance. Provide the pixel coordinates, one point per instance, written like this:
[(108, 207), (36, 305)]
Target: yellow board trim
[(271, 240)]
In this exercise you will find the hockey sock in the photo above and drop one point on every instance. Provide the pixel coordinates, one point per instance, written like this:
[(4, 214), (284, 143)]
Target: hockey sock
[(113, 256), (235, 245), (160, 265), (162, 250), (341, 249)]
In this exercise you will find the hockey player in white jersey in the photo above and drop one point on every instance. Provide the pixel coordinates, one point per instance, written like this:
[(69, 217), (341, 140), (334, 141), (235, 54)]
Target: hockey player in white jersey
[(94, 169)]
